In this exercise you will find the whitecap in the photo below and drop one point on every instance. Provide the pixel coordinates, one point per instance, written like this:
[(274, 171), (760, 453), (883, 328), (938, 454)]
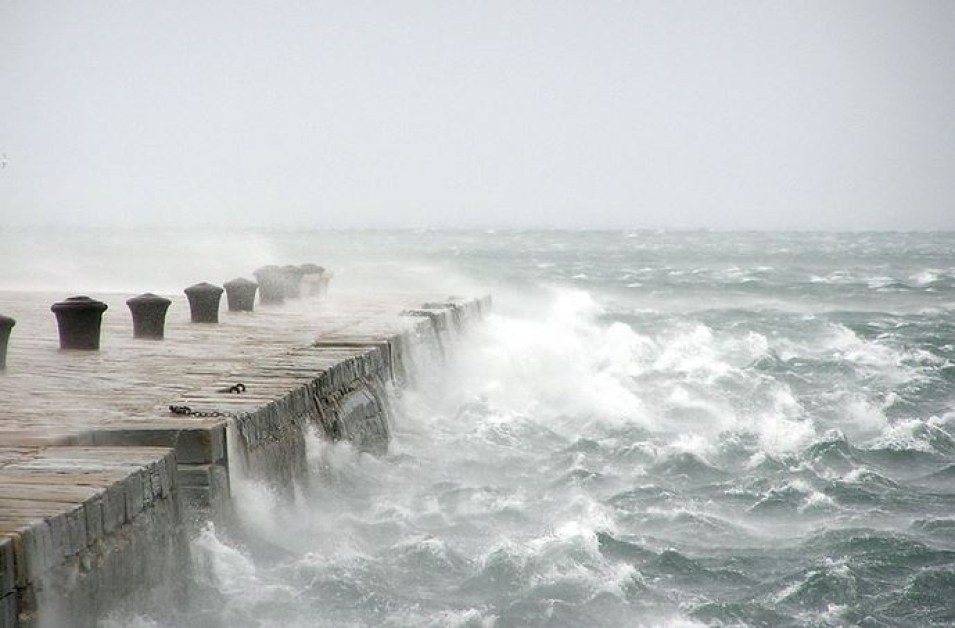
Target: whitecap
[(925, 277)]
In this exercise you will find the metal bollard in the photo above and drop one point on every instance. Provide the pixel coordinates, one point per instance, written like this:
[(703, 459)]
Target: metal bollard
[(78, 320), (240, 293), (204, 302), (271, 284), (293, 281), (312, 279), (149, 315), (6, 325)]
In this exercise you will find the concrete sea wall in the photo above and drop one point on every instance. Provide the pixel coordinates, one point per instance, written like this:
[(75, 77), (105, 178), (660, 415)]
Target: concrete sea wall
[(83, 528), (110, 459)]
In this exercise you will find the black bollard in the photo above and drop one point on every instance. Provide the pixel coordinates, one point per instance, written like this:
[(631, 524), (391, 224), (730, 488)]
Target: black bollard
[(311, 279), (204, 302), (271, 284), (240, 293), (149, 315), (6, 325), (293, 281), (79, 320), (311, 269)]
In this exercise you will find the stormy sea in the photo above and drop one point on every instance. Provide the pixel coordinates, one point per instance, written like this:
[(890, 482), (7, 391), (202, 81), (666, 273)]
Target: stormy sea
[(652, 428)]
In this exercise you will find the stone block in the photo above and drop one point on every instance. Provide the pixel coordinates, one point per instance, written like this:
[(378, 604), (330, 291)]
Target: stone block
[(204, 487), (94, 517), (77, 537), (59, 537), (9, 611), (199, 441), (33, 551), (133, 492), (114, 508), (7, 569), (73, 513), (161, 478), (193, 475)]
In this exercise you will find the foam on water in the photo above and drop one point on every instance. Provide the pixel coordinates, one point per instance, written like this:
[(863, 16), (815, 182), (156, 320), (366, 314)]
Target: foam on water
[(561, 365)]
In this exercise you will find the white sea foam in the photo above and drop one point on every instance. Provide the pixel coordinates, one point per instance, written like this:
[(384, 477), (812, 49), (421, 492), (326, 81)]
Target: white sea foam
[(911, 434), (121, 620), (560, 365), (879, 282), (925, 277), (465, 618), (838, 568), (861, 475), (565, 364), (672, 622), (816, 500), (862, 417), (229, 569)]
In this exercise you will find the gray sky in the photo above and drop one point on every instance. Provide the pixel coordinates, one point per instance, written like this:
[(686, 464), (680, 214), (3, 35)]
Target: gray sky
[(721, 114)]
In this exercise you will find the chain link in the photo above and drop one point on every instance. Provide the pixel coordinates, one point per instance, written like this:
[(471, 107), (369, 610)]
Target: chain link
[(237, 389), (187, 411)]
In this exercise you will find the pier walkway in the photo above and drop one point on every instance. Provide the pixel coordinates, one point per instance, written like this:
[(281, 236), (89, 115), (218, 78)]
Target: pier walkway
[(94, 467)]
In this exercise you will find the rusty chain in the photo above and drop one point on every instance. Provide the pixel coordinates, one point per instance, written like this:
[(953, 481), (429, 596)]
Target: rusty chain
[(237, 389)]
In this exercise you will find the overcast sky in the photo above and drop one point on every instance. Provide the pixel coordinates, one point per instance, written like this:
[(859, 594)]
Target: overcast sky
[(621, 114)]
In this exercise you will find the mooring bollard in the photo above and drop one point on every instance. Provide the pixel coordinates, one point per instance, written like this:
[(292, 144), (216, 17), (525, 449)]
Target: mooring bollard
[(6, 325), (149, 315), (240, 293), (312, 279), (271, 284), (78, 320), (293, 281), (204, 302)]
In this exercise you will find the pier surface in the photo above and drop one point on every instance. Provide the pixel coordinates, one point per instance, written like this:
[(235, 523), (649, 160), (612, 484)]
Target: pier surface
[(88, 442), (48, 396)]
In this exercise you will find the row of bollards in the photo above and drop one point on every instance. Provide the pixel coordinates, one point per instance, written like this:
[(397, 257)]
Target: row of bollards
[(6, 325), (79, 318), (149, 315)]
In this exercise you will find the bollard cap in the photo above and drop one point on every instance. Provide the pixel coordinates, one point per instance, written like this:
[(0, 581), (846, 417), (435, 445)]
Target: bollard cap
[(79, 303), (148, 297), (267, 270), (311, 269), (203, 287), (239, 282), (6, 322)]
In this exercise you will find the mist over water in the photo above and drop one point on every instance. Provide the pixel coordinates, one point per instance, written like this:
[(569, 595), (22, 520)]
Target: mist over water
[(653, 428)]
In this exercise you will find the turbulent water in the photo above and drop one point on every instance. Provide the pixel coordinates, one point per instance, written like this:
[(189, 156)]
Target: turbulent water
[(653, 428)]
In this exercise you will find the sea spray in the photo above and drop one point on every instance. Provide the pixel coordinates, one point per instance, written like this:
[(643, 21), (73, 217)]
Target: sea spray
[(651, 429)]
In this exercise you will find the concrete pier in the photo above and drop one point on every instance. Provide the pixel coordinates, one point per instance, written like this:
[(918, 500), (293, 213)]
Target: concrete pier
[(108, 458)]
